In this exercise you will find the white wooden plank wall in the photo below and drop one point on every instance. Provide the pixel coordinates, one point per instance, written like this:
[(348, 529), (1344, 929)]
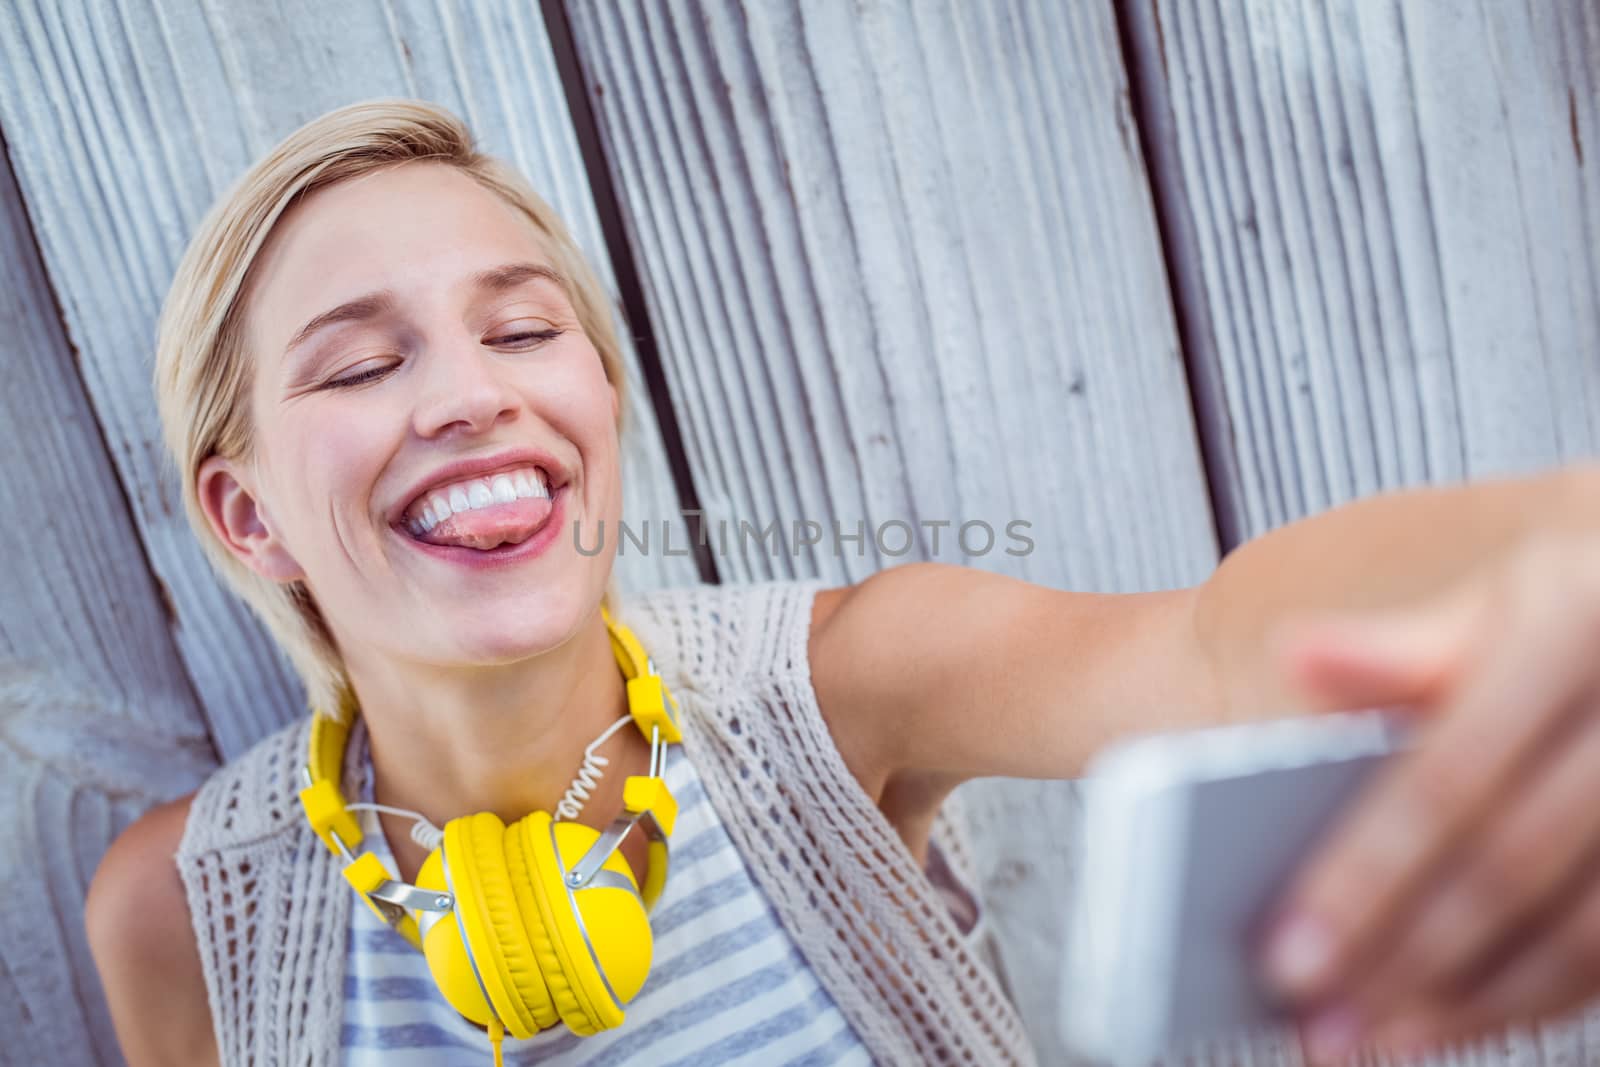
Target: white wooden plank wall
[(97, 717), (890, 284), (1388, 230), (126, 121), (1393, 229)]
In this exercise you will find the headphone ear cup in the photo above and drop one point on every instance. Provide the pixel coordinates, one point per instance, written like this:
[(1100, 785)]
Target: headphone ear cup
[(523, 948), (498, 932), (449, 960), (600, 935), (530, 881)]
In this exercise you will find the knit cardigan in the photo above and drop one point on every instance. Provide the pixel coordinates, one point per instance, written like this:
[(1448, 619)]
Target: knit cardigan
[(270, 907)]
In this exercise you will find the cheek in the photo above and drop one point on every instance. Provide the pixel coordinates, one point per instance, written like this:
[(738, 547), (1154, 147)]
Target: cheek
[(578, 386), (576, 399), (329, 461), (345, 448)]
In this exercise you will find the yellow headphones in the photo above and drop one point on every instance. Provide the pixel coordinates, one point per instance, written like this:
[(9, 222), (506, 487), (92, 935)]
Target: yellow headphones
[(536, 923)]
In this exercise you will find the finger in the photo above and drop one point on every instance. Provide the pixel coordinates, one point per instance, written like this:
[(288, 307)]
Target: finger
[(1520, 865), (1396, 658), (1354, 889), (1556, 973)]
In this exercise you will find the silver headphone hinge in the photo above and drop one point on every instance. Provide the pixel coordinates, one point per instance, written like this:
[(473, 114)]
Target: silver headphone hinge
[(406, 895)]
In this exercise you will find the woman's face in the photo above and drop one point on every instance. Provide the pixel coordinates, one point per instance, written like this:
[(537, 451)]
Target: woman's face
[(404, 443)]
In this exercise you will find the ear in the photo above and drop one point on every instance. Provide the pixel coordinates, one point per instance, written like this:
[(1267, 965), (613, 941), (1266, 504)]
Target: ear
[(229, 501)]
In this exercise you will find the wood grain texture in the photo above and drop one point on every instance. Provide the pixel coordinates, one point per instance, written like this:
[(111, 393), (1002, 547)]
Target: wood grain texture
[(97, 717), (127, 119), (890, 283), (1393, 232)]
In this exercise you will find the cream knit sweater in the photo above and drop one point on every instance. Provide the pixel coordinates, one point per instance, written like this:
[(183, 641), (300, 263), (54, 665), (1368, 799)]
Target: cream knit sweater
[(270, 907)]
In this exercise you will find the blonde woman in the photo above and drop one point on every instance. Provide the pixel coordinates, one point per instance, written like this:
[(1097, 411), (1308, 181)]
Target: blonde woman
[(391, 386)]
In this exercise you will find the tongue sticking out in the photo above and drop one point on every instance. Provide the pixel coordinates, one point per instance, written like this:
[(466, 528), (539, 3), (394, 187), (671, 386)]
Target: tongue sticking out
[(510, 523)]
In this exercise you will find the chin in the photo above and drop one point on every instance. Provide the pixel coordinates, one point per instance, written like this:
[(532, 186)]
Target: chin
[(518, 627)]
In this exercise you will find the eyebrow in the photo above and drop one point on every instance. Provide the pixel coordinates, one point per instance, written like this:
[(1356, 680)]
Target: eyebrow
[(382, 301)]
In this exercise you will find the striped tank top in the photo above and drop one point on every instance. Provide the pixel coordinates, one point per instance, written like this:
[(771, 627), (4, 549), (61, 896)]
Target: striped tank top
[(727, 985)]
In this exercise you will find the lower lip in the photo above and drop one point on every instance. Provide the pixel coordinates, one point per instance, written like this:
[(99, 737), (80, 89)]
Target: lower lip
[(505, 555)]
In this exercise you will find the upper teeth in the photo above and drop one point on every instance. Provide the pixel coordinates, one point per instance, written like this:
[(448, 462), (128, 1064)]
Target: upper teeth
[(502, 488)]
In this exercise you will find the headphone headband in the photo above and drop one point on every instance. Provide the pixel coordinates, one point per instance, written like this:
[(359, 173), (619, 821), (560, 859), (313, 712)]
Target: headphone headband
[(646, 799)]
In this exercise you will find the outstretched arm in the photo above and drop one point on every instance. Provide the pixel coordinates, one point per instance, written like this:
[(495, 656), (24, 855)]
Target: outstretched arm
[(1461, 893), (941, 673)]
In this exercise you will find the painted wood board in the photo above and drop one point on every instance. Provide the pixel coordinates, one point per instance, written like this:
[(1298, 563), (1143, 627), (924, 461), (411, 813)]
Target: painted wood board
[(889, 285), (97, 717), (1391, 231)]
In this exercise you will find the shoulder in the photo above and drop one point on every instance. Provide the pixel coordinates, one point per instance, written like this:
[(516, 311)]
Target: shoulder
[(868, 645), (143, 943), (141, 931), (882, 655), (943, 672)]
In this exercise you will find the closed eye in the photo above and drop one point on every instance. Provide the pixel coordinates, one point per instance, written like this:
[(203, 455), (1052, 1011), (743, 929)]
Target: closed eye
[(536, 335), (521, 340), (357, 379)]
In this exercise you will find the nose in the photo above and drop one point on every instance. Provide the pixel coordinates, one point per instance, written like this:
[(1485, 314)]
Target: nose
[(466, 389)]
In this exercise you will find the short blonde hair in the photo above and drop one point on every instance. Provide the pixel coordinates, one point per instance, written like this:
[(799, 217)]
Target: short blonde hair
[(203, 372)]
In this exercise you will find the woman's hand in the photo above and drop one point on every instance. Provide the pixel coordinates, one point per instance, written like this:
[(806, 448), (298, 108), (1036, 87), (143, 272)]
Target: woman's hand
[(1462, 892)]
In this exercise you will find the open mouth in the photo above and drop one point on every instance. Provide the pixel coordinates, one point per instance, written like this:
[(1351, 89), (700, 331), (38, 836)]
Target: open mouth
[(493, 516)]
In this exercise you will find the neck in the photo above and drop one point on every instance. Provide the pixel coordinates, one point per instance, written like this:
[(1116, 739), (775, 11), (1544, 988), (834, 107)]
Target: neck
[(507, 739)]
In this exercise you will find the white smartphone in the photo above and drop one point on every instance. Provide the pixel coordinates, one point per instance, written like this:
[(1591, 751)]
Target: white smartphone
[(1189, 838)]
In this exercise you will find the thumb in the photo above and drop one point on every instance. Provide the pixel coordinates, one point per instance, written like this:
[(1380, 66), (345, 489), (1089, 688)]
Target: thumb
[(1409, 656)]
